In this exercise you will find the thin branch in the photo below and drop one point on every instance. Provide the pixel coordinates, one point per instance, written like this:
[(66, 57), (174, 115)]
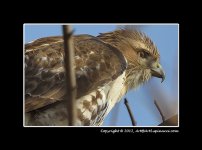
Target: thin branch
[(70, 74), (130, 112), (173, 121), (161, 113)]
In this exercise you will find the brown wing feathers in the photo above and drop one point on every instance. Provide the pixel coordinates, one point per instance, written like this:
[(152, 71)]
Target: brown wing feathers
[(96, 64)]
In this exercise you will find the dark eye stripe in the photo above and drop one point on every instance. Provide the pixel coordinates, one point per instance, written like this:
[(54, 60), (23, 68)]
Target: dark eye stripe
[(144, 54)]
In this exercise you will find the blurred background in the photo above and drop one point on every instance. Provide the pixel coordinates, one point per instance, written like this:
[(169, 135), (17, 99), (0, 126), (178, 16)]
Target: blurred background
[(141, 100)]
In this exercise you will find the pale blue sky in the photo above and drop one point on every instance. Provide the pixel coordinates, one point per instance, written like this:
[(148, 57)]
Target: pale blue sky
[(166, 39)]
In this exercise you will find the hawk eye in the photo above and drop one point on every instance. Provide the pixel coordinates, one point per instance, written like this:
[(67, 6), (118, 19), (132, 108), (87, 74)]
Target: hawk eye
[(143, 54)]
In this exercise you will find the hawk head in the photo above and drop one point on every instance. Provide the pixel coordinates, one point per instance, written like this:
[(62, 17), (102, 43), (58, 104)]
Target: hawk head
[(140, 52)]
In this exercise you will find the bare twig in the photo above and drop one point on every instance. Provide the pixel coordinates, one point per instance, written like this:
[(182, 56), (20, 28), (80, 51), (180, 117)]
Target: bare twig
[(157, 106), (173, 121), (70, 74), (130, 112)]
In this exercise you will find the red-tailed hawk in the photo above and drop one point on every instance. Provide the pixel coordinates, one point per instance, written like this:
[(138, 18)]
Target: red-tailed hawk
[(107, 66)]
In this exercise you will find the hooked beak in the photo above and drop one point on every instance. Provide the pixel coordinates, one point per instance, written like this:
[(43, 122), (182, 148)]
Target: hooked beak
[(158, 72)]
